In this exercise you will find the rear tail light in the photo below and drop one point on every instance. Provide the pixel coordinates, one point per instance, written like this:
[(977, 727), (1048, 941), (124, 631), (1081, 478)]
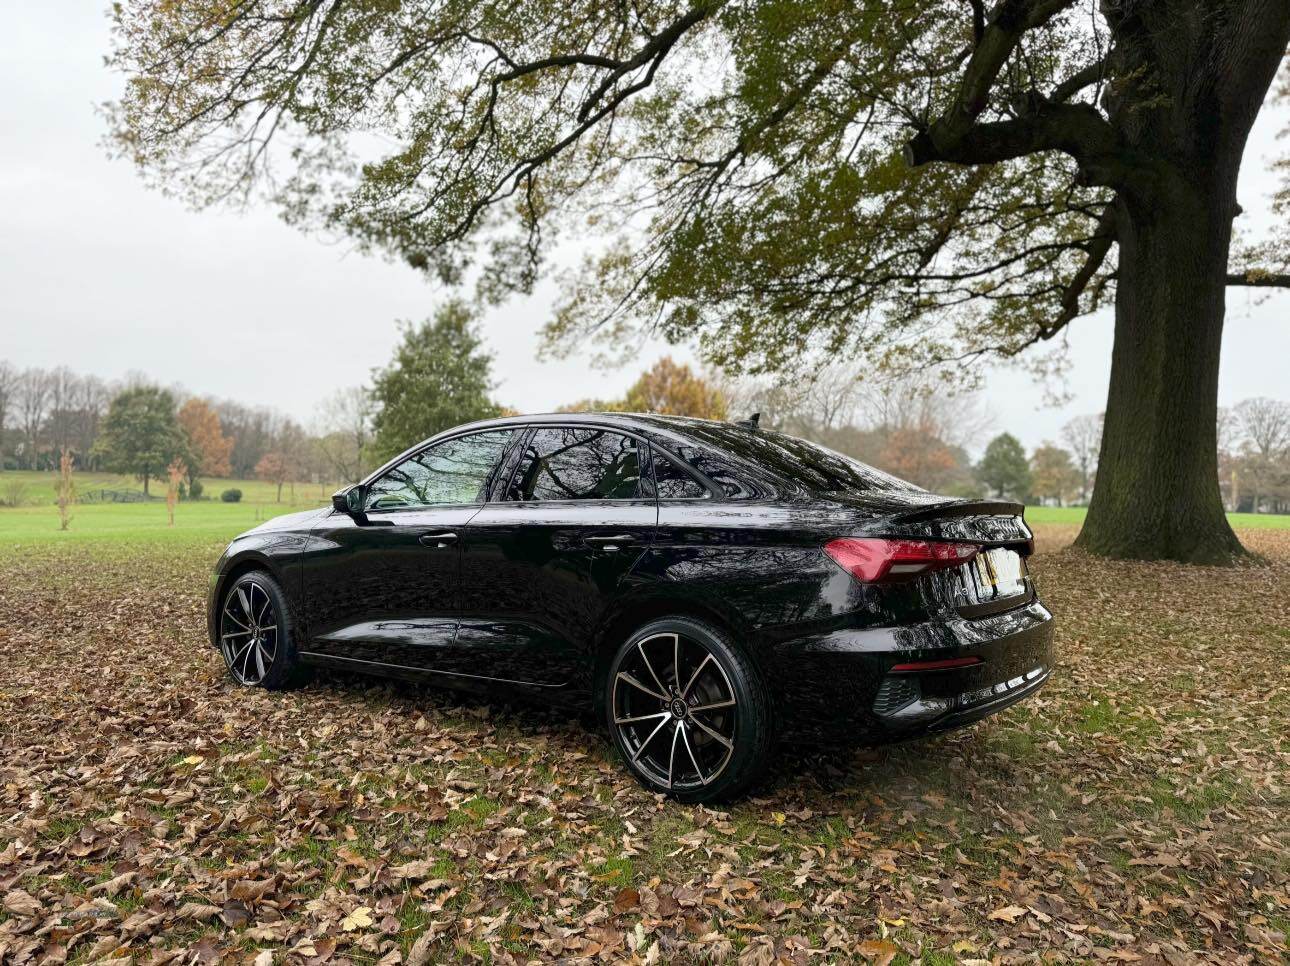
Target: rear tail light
[(871, 559)]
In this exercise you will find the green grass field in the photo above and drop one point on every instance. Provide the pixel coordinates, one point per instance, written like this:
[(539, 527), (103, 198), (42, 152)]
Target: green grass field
[(209, 519), (36, 520), (1074, 516)]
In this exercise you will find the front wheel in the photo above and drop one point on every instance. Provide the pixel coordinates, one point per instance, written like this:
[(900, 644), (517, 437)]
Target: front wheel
[(256, 633), (688, 711)]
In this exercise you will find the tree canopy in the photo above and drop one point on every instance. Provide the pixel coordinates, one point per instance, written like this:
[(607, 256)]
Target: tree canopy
[(1004, 468), (675, 389), (898, 184), (140, 434), (757, 142), (1053, 474), (210, 447)]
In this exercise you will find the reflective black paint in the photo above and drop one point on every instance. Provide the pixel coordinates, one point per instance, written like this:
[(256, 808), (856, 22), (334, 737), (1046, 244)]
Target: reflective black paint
[(534, 596)]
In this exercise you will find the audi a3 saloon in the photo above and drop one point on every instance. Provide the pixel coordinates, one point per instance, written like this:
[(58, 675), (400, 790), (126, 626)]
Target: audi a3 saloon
[(709, 588)]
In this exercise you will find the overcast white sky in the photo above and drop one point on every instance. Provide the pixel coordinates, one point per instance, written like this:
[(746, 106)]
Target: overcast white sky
[(102, 275)]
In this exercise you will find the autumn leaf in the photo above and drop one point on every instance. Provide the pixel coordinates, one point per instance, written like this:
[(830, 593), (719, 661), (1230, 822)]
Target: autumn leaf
[(1007, 914), (1162, 859), (360, 918), (235, 914), (626, 899), (21, 903), (878, 951)]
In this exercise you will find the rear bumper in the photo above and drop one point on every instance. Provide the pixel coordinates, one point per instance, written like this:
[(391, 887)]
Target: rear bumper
[(840, 687)]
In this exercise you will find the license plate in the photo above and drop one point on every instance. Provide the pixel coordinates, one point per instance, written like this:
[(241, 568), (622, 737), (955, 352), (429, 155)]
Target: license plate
[(999, 573)]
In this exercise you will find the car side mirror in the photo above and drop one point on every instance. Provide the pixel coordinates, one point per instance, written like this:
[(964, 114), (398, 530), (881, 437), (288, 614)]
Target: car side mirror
[(350, 500)]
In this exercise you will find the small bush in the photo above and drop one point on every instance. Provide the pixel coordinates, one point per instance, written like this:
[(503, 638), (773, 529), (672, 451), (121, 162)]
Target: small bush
[(195, 491), (15, 493), (231, 496)]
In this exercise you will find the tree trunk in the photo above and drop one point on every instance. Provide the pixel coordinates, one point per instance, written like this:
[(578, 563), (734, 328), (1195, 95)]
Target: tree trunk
[(1157, 494), (146, 473)]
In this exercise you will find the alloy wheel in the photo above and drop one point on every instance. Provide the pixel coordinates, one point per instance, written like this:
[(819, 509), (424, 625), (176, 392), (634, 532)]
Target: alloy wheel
[(249, 632), (675, 711)]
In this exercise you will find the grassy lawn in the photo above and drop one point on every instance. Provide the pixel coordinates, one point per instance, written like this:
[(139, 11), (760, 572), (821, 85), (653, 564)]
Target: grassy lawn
[(37, 519), (1134, 809), (38, 488), (1074, 516)]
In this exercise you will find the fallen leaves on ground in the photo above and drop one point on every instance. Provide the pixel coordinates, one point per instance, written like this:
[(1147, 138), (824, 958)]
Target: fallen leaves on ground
[(151, 812)]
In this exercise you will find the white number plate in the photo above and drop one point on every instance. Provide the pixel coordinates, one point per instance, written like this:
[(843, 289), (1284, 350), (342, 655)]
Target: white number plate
[(999, 573)]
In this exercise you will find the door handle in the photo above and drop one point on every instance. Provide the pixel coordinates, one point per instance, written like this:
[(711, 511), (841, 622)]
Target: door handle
[(437, 540), (610, 543)]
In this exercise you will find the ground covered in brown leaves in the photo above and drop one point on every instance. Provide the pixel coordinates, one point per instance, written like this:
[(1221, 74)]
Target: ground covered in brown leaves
[(1135, 810)]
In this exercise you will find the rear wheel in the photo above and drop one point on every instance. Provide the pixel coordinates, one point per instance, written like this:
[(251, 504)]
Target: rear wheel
[(256, 633), (688, 711)]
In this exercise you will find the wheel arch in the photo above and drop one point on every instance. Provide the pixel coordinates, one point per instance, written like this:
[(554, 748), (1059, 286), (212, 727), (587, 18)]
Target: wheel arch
[(635, 613), (244, 563)]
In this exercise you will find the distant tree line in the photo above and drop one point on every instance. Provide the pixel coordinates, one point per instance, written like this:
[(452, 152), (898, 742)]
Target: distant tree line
[(920, 429), (43, 411), (438, 377), (138, 428), (1254, 456), (914, 426)]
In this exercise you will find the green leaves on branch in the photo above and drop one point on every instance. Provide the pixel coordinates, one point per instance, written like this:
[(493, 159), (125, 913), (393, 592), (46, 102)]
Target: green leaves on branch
[(741, 162)]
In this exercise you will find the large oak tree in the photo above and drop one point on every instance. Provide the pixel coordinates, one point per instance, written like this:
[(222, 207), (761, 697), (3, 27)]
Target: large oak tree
[(901, 183)]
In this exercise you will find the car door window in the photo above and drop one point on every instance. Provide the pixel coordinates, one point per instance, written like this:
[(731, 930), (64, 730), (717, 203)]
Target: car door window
[(577, 463), (455, 471)]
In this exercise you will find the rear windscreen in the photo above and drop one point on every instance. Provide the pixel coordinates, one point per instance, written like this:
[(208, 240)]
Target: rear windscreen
[(814, 467)]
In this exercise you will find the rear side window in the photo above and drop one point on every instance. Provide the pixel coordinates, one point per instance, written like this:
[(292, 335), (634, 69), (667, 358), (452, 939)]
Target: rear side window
[(719, 471), (815, 468), (674, 483), (577, 463)]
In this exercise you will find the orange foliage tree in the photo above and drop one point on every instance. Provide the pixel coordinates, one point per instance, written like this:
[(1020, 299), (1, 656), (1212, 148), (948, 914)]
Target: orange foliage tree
[(917, 456), (667, 388), (210, 447), (275, 467), (675, 390)]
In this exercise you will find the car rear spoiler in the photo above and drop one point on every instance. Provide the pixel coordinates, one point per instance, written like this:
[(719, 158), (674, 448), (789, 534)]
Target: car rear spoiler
[(988, 522)]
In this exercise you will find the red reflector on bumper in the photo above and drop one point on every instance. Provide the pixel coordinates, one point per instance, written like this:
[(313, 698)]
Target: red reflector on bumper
[(937, 665)]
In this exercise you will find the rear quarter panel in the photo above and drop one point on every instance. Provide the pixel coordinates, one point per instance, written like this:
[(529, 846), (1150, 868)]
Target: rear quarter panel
[(762, 566)]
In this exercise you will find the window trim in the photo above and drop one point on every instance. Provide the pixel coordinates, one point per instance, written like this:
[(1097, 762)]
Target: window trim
[(532, 429), (489, 479)]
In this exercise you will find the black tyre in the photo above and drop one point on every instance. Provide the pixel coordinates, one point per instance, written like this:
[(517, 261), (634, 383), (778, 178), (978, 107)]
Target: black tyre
[(257, 635), (688, 711)]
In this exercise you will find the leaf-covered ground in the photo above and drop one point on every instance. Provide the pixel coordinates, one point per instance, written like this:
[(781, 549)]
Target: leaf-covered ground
[(1135, 810)]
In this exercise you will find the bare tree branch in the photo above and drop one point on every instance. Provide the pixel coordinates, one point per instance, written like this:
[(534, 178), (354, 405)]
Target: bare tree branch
[(1255, 278), (1082, 78)]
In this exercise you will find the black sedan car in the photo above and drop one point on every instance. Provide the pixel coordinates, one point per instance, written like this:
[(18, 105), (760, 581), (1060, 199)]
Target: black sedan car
[(710, 588)]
